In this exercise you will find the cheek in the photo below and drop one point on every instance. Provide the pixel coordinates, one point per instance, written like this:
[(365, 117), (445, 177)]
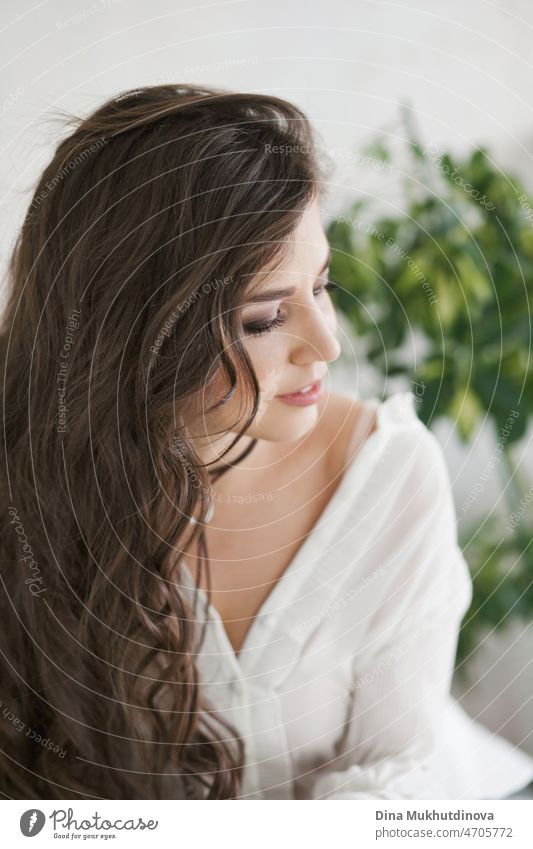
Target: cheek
[(268, 359)]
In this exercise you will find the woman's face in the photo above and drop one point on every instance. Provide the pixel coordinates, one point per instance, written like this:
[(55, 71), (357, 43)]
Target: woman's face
[(294, 351)]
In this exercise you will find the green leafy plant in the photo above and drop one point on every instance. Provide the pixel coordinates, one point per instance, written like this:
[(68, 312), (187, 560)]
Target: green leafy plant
[(440, 292)]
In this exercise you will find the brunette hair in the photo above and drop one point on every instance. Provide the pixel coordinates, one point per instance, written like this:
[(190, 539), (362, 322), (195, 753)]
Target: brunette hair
[(125, 283)]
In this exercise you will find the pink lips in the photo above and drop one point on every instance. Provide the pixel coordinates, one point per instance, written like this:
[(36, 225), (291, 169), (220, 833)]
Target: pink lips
[(303, 399)]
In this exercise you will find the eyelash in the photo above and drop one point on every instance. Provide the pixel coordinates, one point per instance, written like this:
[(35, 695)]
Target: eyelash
[(258, 329)]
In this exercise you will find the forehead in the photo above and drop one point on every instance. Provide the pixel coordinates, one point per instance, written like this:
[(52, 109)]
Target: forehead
[(304, 251), (308, 238)]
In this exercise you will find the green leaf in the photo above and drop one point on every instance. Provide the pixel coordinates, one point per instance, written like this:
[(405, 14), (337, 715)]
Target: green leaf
[(476, 285), (466, 410)]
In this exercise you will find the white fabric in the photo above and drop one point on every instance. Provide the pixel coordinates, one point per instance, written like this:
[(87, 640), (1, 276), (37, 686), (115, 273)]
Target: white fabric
[(342, 686)]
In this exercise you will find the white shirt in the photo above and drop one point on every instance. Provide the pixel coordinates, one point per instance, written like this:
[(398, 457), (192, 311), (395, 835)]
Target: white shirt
[(342, 686)]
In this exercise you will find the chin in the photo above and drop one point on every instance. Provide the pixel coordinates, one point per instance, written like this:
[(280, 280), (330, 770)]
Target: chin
[(285, 423)]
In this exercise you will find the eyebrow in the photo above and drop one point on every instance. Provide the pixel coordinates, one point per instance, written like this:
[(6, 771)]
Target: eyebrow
[(278, 294)]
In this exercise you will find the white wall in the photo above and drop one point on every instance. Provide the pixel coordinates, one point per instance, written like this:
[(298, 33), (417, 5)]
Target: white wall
[(465, 67)]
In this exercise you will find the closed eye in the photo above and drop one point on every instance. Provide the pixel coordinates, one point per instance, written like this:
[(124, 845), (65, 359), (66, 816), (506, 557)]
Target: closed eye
[(258, 328)]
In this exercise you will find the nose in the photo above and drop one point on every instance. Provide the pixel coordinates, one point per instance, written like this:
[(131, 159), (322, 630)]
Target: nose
[(315, 337)]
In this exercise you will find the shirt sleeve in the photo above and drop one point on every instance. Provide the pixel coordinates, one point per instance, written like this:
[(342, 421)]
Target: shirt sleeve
[(401, 678)]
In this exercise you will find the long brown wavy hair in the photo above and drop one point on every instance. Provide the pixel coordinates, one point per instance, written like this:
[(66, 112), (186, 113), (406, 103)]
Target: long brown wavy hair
[(125, 284)]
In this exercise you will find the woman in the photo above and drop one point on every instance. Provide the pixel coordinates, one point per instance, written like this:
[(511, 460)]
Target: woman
[(216, 582)]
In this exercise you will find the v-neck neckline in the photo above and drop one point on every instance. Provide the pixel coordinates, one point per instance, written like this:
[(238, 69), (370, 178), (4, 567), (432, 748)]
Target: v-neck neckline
[(257, 632)]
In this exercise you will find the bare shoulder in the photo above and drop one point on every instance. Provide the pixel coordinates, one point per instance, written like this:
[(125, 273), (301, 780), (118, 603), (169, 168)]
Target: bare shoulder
[(345, 423)]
